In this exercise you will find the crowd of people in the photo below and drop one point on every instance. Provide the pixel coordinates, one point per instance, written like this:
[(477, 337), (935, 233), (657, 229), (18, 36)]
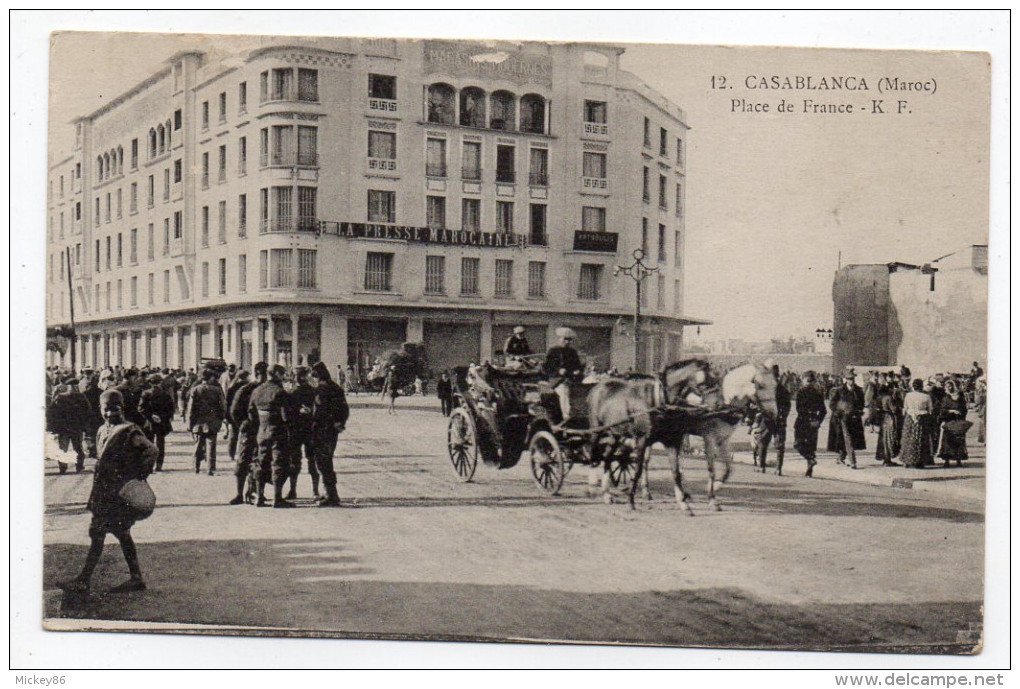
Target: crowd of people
[(916, 421)]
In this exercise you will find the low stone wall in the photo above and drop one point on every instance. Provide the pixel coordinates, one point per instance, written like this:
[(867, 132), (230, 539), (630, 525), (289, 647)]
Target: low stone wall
[(820, 363)]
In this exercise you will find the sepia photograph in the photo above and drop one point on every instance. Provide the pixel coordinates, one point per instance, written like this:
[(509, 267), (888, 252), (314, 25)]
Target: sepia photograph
[(560, 341)]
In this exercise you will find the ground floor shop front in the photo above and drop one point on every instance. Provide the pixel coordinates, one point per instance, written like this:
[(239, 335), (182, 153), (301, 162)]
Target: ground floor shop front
[(292, 334)]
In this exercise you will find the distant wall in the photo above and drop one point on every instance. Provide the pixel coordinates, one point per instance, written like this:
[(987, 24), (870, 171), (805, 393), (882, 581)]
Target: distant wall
[(860, 297), (821, 363)]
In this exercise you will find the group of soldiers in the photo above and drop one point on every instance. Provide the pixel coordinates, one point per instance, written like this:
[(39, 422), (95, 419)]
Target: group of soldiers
[(271, 418)]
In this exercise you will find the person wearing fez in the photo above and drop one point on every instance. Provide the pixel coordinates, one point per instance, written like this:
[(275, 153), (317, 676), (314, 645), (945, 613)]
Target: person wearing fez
[(517, 344), (125, 454)]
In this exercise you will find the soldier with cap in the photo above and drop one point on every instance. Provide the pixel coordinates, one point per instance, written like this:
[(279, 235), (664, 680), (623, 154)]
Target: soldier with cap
[(247, 429), (239, 381), (563, 366), (329, 419), (268, 408), (207, 407), (124, 455), (517, 344), (302, 400), (156, 407)]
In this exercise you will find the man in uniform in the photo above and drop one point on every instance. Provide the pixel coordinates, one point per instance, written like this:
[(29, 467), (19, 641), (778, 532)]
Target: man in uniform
[(239, 381), (247, 429), (517, 344), (302, 399), (329, 418), (563, 366), (207, 407), (157, 408), (268, 408), (810, 412)]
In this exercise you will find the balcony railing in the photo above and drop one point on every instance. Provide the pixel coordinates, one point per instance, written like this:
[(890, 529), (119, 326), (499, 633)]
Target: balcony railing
[(435, 169), (594, 183), (385, 164), (596, 128), (538, 179), (473, 174), (506, 176), (289, 160), (382, 105), (299, 224)]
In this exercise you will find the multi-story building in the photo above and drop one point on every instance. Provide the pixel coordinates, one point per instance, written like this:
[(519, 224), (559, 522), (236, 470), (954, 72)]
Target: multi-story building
[(332, 198)]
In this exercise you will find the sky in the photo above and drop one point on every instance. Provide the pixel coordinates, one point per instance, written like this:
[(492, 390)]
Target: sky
[(774, 200)]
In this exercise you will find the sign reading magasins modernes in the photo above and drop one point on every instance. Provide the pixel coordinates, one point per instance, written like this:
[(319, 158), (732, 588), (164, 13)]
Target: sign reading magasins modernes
[(425, 235), (503, 60)]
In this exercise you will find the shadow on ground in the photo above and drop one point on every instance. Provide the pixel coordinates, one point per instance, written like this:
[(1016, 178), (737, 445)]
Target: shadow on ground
[(324, 585)]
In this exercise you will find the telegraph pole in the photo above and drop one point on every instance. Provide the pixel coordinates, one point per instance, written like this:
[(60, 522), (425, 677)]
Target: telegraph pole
[(70, 299), (637, 271)]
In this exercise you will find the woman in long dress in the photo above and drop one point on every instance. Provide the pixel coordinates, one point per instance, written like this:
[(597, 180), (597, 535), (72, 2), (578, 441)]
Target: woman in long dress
[(915, 445), (952, 425), (886, 406)]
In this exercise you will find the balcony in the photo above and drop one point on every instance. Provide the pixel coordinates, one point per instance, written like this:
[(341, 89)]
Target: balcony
[(472, 174), (289, 225), (596, 129), (435, 170), (594, 184), (538, 179), (382, 164), (289, 160), (382, 105)]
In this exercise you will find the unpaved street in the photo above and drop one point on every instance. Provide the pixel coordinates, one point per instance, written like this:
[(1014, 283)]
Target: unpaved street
[(790, 562)]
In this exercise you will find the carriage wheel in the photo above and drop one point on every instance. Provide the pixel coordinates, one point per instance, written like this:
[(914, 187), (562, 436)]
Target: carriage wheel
[(622, 469), (547, 464), (462, 443)]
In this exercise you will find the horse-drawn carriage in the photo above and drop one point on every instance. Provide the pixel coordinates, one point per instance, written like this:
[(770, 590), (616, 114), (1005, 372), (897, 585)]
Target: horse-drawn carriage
[(500, 413), (400, 366)]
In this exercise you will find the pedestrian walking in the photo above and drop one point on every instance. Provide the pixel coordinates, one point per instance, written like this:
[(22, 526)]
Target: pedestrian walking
[(95, 418), (68, 419), (207, 407), (918, 422), (444, 391), (810, 413), (769, 429), (247, 430), (329, 418), (846, 430), (887, 415), (124, 455), (156, 408), (268, 409)]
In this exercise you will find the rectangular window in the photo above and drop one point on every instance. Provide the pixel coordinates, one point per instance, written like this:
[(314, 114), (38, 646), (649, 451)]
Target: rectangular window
[(263, 87), (470, 214), (263, 210), (471, 166), (382, 86), (435, 275), (120, 249), (435, 158), (242, 215), (205, 279), (152, 289), (223, 106), (97, 256), (152, 243), (308, 85), (263, 269), (536, 279), (109, 207), (263, 147), (663, 202), (205, 115), (505, 164), (282, 84), (469, 275), (205, 170), (280, 267), (242, 273), (134, 246), (594, 165), (283, 208), (648, 133), (134, 292), (97, 211), (242, 156), (382, 145), (588, 287), (222, 236), (677, 241), (205, 225), (644, 236), (538, 170), (223, 164), (307, 146), (134, 154), (505, 217), (593, 219), (646, 185), (282, 146), (108, 292), (178, 119), (166, 183), (663, 142), (152, 191), (97, 297), (223, 275), (676, 296), (120, 295), (77, 211), (504, 278), (120, 204), (242, 97), (662, 243), (538, 235), (307, 275), (595, 111), (379, 272), (166, 286), (382, 206), (660, 292), (435, 211), (178, 224), (166, 236), (308, 219), (679, 208), (109, 251), (133, 199)]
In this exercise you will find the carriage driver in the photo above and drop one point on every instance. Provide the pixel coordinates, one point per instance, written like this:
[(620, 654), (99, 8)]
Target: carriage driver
[(517, 344), (563, 366)]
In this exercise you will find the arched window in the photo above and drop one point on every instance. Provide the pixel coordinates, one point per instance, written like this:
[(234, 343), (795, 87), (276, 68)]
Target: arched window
[(533, 114), (152, 143), (120, 159), (106, 164), (99, 167), (162, 138), (504, 111), (169, 129), (472, 107), (441, 106)]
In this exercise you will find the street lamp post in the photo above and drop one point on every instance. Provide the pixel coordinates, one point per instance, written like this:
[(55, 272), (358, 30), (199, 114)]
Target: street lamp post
[(637, 271)]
